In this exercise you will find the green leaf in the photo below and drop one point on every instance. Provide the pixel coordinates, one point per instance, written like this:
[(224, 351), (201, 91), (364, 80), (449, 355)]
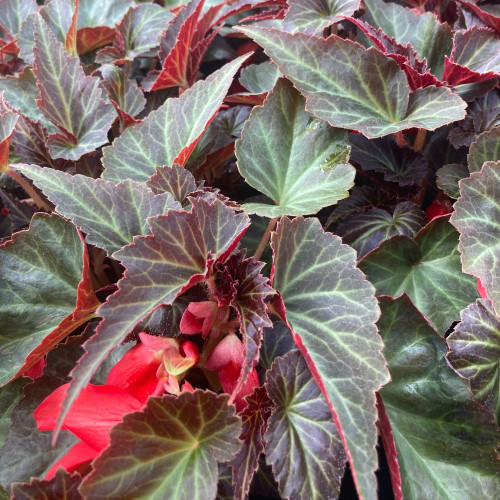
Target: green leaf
[(302, 441), (40, 272), (331, 310), (14, 12), (477, 218), (302, 165), (276, 341), (313, 16), (69, 99), (110, 214), (97, 13), (61, 487), (445, 441), (401, 165), (187, 435), (430, 38), (365, 230), (485, 148), (259, 78), (10, 395), (475, 351), (352, 87), (448, 176), (158, 268), (138, 32), (175, 126), (427, 268)]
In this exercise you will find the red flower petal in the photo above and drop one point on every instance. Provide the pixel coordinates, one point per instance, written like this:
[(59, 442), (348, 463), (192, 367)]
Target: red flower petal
[(36, 370), (229, 349), (96, 410), (481, 290), (76, 456), (198, 318)]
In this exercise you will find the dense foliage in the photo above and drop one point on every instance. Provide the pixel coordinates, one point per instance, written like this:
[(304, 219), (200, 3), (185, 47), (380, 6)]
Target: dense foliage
[(228, 267)]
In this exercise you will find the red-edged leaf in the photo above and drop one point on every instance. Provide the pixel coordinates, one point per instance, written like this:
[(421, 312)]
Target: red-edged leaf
[(254, 423), (169, 134), (159, 267), (175, 66), (475, 57), (138, 32), (70, 40), (14, 12), (69, 99), (489, 19), (40, 273), (331, 310), (186, 435), (86, 305), (124, 94), (8, 121), (391, 453), (302, 442), (89, 39), (252, 289), (62, 486)]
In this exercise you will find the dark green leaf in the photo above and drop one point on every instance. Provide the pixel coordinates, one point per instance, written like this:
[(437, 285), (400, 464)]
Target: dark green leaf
[(276, 341), (302, 442), (10, 395), (62, 486), (20, 214), (485, 148), (186, 436), (446, 442), (427, 268), (364, 231), (331, 309), (448, 176), (475, 351), (259, 78)]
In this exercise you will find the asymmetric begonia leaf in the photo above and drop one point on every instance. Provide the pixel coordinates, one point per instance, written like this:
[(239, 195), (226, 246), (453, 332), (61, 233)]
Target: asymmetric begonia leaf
[(62, 486), (302, 442), (447, 178), (123, 92), (14, 12), (365, 230), (485, 148), (188, 435), (477, 218), (331, 310), (475, 57), (40, 272), (254, 422), (169, 132), (427, 268), (446, 442), (302, 166), (353, 87), (313, 16), (401, 165), (259, 78), (431, 39), (69, 99), (175, 180), (110, 214), (138, 32), (158, 267), (474, 353)]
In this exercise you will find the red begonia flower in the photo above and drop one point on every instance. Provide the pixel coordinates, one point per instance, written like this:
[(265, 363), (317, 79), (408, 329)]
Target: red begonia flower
[(198, 318), (227, 359), (481, 290), (438, 208), (95, 411), (78, 454)]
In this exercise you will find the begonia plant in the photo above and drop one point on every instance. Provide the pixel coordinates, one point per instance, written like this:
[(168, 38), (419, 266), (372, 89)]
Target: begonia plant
[(249, 249)]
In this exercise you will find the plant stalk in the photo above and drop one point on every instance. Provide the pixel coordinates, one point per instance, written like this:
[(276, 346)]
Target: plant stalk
[(419, 142), (265, 239), (30, 190)]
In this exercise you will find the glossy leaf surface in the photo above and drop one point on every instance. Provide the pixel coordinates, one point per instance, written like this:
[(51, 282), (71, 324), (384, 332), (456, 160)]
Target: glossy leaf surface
[(445, 441), (427, 268), (331, 310)]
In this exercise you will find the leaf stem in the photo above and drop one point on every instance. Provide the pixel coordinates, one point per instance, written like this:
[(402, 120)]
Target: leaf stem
[(419, 142), (400, 139), (41, 203), (265, 239)]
